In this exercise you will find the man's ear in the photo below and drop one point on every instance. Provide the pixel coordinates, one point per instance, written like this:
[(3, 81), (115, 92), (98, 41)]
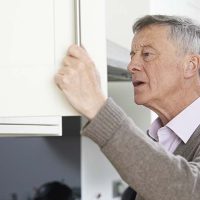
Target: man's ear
[(191, 66)]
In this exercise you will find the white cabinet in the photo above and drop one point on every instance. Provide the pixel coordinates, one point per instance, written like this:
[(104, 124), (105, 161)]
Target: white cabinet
[(34, 37)]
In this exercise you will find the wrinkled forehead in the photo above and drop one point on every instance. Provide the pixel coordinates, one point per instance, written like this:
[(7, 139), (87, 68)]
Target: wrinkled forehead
[(155, 35)]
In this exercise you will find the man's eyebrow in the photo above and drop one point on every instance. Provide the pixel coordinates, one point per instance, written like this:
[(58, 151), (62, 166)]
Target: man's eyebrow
[(143, 46), (148, 45)]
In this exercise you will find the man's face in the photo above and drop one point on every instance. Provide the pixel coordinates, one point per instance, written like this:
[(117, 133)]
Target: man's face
[(155, 65)]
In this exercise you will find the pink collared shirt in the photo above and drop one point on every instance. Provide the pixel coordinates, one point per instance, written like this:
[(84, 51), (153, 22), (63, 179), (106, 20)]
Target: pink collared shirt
[(180, 128)]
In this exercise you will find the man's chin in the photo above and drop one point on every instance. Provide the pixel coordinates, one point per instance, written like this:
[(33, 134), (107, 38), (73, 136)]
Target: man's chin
[(139, 101)]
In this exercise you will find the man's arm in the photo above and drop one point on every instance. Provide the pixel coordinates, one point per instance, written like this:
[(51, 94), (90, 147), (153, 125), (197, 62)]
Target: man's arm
[(154, 173)]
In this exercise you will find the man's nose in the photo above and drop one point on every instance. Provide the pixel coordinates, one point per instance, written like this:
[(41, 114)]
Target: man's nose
[(134, 66)]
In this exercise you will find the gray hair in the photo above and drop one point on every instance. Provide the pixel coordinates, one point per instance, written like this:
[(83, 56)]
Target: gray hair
[(184, 31)]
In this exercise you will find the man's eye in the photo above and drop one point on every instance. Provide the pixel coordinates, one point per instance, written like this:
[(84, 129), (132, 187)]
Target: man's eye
[(148, 56)]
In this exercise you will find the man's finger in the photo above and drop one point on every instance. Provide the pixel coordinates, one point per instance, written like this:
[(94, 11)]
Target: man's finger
[(69, 61), (66, 71), (78, 52)]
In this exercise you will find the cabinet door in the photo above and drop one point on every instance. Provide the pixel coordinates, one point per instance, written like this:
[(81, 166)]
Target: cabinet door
[(34, 37)]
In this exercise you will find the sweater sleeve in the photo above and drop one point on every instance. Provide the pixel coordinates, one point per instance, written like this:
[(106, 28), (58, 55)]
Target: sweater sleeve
[(154, 173)]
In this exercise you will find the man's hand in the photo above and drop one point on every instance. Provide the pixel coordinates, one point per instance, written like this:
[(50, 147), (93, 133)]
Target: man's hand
[(79, 80)]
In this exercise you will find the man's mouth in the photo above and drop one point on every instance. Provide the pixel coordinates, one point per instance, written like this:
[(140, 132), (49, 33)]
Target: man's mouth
[(138, 83)]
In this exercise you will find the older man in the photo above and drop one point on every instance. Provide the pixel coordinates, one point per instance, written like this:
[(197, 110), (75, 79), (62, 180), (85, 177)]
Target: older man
[(165, 64)]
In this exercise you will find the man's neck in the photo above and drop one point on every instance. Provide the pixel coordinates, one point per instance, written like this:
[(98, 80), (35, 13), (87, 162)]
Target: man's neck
[(170, 107)]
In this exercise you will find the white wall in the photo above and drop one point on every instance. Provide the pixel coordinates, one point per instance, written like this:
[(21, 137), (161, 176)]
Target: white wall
[(120, 16), (188, 8), (98, 172)]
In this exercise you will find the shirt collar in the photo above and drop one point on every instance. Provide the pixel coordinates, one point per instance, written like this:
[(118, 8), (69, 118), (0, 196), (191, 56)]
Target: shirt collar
[(183, 125)]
